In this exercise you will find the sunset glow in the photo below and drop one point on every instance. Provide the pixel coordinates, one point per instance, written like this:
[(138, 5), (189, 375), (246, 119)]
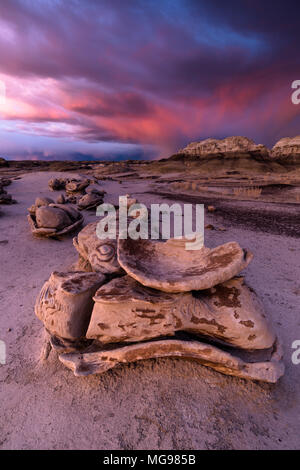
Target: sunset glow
[(137, 79)]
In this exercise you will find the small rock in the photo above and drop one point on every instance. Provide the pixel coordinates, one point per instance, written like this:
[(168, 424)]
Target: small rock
[(51, 217), (61, 199), (43, 201)]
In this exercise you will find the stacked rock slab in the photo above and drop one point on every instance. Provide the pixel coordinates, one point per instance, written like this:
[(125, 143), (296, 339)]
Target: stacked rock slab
[(151, 303), (229, 313)]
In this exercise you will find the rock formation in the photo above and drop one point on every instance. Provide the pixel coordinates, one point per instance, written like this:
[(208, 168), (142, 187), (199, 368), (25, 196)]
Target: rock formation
[(56, 184), (65, 303), (237, 154), (229, 313), (230, 146), (99, 319), (90, 201), (52, 220), (95, 254), (287, 150), (5, 198), (169, 267)]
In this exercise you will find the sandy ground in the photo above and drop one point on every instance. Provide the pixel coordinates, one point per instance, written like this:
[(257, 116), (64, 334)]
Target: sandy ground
[(154, 404)]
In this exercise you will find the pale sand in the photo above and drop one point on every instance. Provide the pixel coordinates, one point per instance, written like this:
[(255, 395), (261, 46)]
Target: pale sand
[(155, 404)]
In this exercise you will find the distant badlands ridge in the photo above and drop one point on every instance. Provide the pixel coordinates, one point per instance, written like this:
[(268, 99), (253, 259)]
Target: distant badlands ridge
[(286, 150)]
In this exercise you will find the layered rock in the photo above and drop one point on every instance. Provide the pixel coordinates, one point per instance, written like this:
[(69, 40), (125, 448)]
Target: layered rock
[(228, 147), (195, 308), (287, 150)]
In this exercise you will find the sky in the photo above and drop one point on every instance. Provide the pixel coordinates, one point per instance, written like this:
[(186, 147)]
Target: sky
[(140, 79)]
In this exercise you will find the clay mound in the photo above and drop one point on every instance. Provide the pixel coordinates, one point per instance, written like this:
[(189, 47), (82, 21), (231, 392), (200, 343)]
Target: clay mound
[(169, 267)]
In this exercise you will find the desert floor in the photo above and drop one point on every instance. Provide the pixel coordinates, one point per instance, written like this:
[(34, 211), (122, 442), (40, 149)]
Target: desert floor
[(154, 404)]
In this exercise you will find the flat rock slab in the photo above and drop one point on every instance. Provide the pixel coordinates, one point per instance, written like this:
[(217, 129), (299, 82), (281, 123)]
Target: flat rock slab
[(99, 362), (230, 313), (169, 267)]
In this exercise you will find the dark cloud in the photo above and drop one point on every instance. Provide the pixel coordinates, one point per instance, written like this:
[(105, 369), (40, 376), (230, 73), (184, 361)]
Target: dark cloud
[(145, 71)]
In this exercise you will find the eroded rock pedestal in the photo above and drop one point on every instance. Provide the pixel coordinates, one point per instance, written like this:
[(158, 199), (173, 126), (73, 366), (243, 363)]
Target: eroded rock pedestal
[(131, 307)]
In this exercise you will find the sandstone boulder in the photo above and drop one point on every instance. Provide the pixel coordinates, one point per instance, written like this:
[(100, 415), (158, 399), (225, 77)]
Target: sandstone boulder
[(56, 184), (77, 186), (90, 201), (95, 254), (65, 303), (53, 220)]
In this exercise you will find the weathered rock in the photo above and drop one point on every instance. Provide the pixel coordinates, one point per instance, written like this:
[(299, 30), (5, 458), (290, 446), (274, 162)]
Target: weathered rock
[(50, 217), (126, 311), (56, 184), (54, 220), (95, 254), (43, 201), (169, 267), (95, 189), (71, 199), (65, 303), (76, 186), (5, 181), (287, 150), (6, 198), (40, 202), (89, 201), (61, 199), (208, 355), (72, 211), (230, 146)]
